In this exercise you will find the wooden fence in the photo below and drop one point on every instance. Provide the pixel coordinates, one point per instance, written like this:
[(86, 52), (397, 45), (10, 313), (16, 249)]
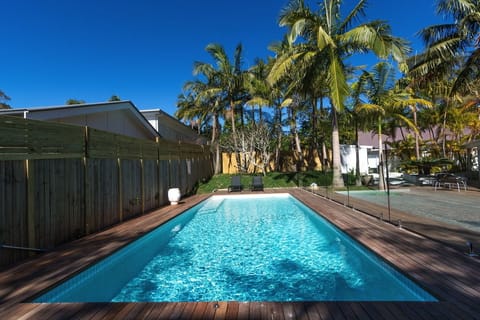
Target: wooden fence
[(60, 182)]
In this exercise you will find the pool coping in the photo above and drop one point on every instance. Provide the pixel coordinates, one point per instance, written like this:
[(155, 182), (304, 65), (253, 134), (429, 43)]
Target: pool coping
[(449, 275)]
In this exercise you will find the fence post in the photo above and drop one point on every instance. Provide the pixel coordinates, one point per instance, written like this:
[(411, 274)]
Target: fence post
[(142, 185), (31, 235), (86, 184), (120, 191)]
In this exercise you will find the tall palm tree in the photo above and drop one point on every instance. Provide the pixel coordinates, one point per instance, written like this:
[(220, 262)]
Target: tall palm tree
[(262, 93), (201, 102), (451, 46), (328, 40), (231, 81), (387, 104)]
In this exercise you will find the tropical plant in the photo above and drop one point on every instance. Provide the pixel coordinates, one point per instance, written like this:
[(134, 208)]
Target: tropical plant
[(325, 40), (3, 100), (387, 104), (452, 46), (264, 94), (229, 82)]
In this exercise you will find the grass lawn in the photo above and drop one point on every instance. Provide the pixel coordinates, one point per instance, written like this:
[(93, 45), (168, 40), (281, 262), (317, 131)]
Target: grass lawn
[(271, 180)]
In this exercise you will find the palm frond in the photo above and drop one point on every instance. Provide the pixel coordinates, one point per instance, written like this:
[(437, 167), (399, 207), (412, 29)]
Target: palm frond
[(337, 82), (353, 16)]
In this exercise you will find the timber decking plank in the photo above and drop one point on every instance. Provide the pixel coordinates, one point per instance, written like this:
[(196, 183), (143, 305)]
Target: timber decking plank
[(243, 310), (221, 310), (177, 311), (288, 311), (311, 311), (322, 310), (232, 310), (276, 311)]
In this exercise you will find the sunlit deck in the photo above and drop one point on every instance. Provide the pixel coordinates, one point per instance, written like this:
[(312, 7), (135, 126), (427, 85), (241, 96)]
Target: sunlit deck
[(451, 276)]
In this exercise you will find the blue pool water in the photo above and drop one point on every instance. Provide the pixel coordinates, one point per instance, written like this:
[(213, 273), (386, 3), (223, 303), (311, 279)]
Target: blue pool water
[(242, 248)]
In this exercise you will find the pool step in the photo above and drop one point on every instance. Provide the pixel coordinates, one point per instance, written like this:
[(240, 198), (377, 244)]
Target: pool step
[(211, 206)]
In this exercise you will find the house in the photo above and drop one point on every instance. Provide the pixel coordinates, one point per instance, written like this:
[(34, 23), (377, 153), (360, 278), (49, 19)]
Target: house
[(121, 117), (171, 129)]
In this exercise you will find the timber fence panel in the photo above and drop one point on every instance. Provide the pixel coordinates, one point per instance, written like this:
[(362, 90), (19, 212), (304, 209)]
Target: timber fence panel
[(131, 182), (59, 182), (13, 210), (163, 180), (13, 138), (103, 192), (33, 139), (58, 202), (150, 185)]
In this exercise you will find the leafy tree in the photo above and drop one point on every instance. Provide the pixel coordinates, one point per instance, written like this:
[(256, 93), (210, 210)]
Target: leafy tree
[(3, 100), (114, 98), (74, 101)]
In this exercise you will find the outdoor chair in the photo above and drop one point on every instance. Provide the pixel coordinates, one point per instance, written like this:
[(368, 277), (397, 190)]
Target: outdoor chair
[(235, 184), (257, 183), (448, 180)]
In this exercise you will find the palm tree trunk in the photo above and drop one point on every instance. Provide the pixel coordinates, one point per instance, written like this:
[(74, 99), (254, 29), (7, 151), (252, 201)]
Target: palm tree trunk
[(358, 178), (444, 135), (235, 140), (381, 181), (298, 146), (217, 161), (417, 144), (278, 126), (337, 173)]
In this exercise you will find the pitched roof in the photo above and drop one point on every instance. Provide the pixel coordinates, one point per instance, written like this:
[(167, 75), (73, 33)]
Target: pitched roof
[(81, 114)]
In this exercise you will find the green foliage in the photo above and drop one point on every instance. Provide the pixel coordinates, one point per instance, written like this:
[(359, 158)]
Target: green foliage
[(427, 166), (271, 180), (74, 101), (3, 100)]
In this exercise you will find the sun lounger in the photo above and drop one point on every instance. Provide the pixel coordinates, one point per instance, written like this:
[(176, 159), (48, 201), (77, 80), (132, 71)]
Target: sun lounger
[(257, 183), (235, 184)]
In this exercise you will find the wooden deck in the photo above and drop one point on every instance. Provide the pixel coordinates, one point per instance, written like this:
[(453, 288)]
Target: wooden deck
[(448, 274)]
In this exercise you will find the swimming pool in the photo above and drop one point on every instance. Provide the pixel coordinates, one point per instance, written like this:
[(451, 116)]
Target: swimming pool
[(241, 248)]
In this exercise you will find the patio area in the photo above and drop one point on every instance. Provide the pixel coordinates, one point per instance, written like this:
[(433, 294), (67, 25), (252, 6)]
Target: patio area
[(446, 215), (447, 273)]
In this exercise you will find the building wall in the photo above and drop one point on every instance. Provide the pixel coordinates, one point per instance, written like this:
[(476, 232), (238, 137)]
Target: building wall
[(348, 158), (119, 122)]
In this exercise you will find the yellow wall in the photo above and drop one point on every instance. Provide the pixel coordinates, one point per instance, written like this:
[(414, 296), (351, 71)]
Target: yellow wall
[(229, 164)]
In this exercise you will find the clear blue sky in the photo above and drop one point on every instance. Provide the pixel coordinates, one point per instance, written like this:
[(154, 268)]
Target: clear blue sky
[(143, 50)]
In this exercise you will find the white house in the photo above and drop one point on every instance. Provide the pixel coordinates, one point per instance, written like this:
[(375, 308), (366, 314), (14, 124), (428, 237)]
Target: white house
[(170, 128)]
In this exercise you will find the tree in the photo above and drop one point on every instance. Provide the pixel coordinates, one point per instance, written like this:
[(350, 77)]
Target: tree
[(3, 100), (328, 41), (262, 93), (229, 82), (74, 101), (451, 46), (387, 104), (114, 98)]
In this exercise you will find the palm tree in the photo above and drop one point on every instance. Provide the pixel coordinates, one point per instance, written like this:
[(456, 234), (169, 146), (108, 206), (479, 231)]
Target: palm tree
[(262, 93), (451, 46), (387, 103), (230, 81), (329, 40), (201, 102)]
